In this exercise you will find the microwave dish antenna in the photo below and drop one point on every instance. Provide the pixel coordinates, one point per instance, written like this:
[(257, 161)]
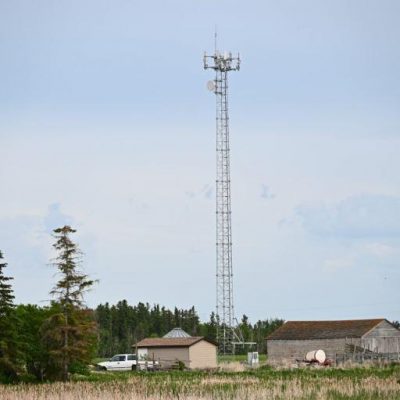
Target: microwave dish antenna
[(211, 86)]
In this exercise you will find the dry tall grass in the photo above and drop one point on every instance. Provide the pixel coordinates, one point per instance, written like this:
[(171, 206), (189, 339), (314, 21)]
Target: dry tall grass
[(234, 366), (207, 388)]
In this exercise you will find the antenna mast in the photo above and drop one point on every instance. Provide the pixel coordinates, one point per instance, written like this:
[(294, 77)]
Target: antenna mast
[(227, 335)]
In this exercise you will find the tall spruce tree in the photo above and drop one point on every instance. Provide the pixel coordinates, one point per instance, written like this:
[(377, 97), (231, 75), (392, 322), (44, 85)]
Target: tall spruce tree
[(8, 334), (6, 298), (70, 333)]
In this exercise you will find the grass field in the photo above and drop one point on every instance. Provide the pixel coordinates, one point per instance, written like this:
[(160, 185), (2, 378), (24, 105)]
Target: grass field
[(366, 383)]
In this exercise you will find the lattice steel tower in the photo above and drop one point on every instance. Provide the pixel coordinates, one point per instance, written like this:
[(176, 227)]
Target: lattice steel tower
[(227, 335)]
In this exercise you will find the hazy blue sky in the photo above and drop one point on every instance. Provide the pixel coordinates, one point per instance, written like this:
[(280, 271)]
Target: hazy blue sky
[(106, 124)]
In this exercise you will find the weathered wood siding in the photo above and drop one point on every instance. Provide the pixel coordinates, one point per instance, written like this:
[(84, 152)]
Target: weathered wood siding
[(203, 355), (384, 338), (291, 350)]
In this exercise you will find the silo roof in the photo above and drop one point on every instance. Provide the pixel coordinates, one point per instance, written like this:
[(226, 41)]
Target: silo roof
[(176, 333)]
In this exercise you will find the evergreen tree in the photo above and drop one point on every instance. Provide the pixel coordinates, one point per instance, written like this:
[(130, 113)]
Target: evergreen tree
[(209, 329), (70, 333), (246, 329), (104, 322), (6, 291), (8, 333)]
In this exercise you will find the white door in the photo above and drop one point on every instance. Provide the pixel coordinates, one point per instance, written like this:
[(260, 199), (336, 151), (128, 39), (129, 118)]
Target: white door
[(117, 363)]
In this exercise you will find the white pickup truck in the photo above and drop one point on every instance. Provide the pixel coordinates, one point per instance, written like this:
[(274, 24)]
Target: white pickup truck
[(124, 362)]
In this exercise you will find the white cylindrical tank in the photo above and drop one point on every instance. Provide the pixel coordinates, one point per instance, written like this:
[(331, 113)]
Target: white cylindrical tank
[(316, 355)]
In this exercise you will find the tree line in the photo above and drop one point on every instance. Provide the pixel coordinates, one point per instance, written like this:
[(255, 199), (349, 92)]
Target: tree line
[(51, 342), (120, 326)]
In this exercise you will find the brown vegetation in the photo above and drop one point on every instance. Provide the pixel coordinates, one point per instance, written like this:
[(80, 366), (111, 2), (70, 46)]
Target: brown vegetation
[(206, 388)]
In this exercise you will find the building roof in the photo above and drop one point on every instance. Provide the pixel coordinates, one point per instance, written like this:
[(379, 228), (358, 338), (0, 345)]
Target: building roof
[(305, 330), (172, 342), (176, 333)]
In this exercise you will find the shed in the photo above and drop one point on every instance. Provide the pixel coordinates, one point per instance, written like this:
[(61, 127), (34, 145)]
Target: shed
[(196, 352), (294, 339)]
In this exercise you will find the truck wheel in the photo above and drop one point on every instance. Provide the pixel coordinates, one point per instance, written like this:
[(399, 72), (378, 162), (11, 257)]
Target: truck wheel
[(133, 367)]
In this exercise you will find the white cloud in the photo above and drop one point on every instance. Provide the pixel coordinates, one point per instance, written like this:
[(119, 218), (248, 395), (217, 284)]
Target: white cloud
[(381, 250)]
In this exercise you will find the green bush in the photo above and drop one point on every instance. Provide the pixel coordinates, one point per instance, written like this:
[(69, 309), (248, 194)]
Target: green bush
[(8, 374), (79, 368)]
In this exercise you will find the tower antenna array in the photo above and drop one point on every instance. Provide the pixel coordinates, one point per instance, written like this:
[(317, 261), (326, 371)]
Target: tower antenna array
[(227, 334)]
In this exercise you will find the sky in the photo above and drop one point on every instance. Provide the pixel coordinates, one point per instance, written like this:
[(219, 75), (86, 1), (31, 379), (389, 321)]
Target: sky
[(106, 125)]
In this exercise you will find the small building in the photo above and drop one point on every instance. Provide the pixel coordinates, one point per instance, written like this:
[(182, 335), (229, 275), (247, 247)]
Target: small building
[(196, 352), (294, 339)]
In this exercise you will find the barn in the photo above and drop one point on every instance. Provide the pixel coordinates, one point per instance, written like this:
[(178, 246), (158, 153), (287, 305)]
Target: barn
[(196, 352), (294, 339)]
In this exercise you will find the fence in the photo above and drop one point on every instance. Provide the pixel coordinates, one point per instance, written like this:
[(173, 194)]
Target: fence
[(370, 350)]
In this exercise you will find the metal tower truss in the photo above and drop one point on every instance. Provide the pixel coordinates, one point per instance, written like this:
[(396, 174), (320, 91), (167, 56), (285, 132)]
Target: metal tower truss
[(227, 333)]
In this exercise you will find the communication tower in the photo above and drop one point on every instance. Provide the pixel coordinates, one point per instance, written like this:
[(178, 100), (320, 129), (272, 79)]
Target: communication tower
[(227, 333)]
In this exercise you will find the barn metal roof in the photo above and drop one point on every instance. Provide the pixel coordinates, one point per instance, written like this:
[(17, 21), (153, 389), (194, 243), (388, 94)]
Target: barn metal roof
[(172, 342), (176, 333), (305, 330)]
